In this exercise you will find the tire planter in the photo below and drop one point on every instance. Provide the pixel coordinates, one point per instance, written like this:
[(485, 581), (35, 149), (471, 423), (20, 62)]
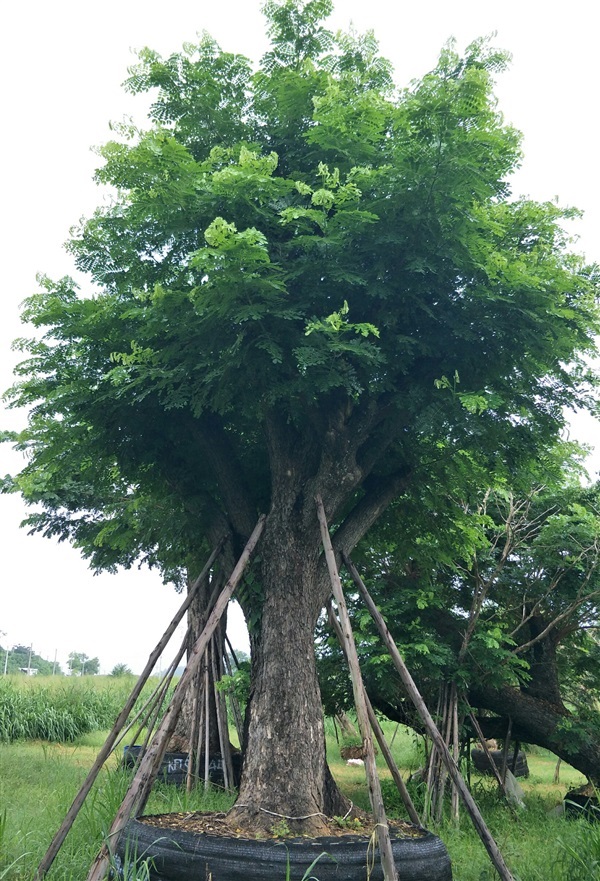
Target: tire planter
[(175, 855), (481, 762), (582, 802), (174, 766)]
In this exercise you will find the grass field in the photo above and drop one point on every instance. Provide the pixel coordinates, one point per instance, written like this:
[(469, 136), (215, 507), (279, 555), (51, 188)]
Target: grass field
[(38, 781)]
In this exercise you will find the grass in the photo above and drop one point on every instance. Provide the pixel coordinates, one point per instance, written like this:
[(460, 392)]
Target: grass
[(38, 781), (58, 708)]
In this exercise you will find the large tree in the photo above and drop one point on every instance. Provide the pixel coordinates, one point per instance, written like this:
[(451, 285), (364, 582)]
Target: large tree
[(498, 592), (304, 281)]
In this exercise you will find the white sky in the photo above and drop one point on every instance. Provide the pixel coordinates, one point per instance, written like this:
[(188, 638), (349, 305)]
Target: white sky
[(62, 64)]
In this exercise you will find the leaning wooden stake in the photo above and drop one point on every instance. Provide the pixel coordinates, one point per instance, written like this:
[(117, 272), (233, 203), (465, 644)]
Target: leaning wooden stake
[(413, 692), (120, 721), (490, 759), (383, 744), (139, 789), (383, 833)]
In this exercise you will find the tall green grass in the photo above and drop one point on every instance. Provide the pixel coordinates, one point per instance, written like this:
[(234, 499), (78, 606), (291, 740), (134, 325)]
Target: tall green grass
[(58, 709)]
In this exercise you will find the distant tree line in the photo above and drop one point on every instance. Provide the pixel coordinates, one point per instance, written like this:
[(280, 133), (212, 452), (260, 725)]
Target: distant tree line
[(17, 659)]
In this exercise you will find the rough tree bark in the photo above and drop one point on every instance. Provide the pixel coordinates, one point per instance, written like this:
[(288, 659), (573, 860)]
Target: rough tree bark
[(285, 773)]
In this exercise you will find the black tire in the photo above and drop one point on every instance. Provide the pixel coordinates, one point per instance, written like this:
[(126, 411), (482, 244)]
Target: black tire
[(174, 766), (480, 760), (175, 855), (581, 805)]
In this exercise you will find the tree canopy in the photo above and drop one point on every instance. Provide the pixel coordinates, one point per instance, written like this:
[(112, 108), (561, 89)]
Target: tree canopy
[(307, 241), (305, 280)]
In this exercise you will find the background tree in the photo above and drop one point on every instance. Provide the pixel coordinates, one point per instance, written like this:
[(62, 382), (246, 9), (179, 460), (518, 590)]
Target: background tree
[(286, 278), (120, 670), (509, 613), (81, 664)]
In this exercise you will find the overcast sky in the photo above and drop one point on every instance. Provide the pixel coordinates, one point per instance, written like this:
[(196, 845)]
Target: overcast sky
[(62, 65)]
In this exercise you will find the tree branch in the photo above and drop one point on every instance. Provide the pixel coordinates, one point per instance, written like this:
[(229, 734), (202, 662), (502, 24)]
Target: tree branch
[(235, 495), (360, 519)]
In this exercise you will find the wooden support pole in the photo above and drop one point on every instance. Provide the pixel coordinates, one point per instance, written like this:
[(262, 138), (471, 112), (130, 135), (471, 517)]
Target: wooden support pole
[(235, 706), (206, 725), (383, 833), (493, 767), (505, 750), (232, 652), (222, 726), (380, 736), (413, 692), (151, 722), (120, 721), (194, 728), (455, 754), (139, 790)]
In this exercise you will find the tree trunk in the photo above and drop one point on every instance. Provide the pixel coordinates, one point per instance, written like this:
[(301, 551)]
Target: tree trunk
[(542, 723), (285, 775)]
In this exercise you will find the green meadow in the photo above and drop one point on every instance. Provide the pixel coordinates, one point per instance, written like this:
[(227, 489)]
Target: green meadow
[(40, 776)]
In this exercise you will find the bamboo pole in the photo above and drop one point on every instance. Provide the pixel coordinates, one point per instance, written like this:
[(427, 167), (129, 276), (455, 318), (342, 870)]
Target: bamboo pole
[(206, 725), (139, 790), (377, 730), (431, 766), (443, 773), (232, 652), (235, 707), (145, 713), (222, 723), (455, 804), (493, 767), (120, 721), (383, 833), (153, 719), (505, 749), (413, 692), (194, 728)]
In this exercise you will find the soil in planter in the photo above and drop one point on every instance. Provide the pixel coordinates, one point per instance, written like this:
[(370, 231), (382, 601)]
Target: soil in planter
[(218, 824)]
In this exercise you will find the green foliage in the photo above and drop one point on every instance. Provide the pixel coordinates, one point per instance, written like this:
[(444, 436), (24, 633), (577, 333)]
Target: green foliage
[(486, 589), (55, 710), (281, 240), (293, 263), (580, 860), (238, 684), (19, 659), (81, 664), (120, 670)]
